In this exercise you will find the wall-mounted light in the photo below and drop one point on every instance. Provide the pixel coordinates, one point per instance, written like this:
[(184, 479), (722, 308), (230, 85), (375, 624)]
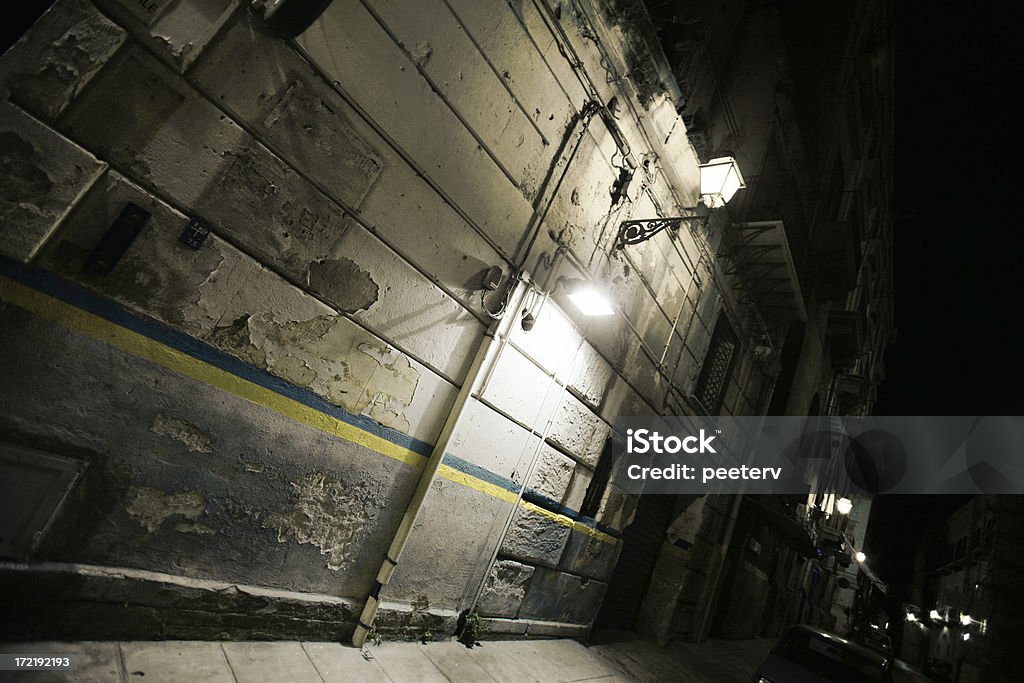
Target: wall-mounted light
[(588, 297), (860, 557), (528, 320), (911, 617), (844, 505), (965, 619), (934, 614), (719, 180)]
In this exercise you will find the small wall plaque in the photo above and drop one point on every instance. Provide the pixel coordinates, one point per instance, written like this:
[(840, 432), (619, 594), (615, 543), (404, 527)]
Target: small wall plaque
[(195, 234)]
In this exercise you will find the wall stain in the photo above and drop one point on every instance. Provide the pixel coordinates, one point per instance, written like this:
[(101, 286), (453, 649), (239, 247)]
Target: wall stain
[(195, 439), (151, 507), (344, 283), (421, 53), (236, 339), (295, 370), (194, 528), (330, 356), (23, 185), (329, 514)]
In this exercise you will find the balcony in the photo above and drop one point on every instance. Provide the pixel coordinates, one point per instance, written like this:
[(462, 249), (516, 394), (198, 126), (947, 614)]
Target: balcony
[(760, 258)]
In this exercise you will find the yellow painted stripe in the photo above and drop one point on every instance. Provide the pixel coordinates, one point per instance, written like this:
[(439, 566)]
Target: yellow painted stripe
[(103, 330), (544, 512), (452, 474), (594, 533), (569, 522), (142, 346)]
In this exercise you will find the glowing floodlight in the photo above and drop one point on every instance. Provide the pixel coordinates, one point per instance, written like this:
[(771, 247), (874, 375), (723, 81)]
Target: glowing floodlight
[(589, 298)]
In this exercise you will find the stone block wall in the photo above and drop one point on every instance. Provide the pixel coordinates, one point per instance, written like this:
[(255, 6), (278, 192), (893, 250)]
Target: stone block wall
[(256, 412)]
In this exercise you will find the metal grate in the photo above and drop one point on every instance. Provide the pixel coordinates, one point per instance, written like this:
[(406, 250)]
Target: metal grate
[(718, 363)]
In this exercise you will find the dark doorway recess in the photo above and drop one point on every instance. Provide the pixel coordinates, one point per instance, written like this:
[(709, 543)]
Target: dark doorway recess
[(641, 542)]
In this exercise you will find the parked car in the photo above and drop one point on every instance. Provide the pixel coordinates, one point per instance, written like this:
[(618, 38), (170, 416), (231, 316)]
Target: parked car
[(875, 639), (805, 654)]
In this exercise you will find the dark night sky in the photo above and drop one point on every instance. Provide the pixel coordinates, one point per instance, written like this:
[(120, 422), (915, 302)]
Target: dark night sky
[(959, 263), (958, 244)]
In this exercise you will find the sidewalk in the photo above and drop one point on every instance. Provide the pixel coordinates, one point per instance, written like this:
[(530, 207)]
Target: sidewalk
[(626, 659)]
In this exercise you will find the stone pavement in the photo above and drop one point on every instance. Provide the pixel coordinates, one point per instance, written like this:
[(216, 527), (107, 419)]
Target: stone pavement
[(621, 657)]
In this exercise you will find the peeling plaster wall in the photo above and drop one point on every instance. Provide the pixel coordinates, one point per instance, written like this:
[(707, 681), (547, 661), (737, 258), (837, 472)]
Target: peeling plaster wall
[(357, 183)]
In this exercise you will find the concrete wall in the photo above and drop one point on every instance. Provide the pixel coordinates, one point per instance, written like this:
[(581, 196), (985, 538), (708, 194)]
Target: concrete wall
[(256, 413)]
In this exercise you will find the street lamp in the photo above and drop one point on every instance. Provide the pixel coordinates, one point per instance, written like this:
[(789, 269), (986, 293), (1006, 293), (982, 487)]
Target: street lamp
[(587, 297), (860, 557), (844, 505), (719, 180)]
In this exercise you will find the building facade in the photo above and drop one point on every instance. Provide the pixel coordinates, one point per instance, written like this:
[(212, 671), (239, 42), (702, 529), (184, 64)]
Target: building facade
[(289, 351), (966, 612)]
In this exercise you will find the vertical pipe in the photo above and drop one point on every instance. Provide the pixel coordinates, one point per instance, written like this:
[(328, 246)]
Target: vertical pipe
[(412, 512)]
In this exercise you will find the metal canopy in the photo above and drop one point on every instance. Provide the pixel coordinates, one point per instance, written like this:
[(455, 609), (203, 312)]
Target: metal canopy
[(761, 260)]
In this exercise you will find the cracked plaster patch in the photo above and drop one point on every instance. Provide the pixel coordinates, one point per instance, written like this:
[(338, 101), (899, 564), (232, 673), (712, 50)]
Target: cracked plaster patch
[(327, 355), (329, 514), (194, 439), (151, 507)]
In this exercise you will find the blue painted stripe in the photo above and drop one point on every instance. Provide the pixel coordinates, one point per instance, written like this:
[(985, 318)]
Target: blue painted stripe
[(538, 498), (79, 296), (472, 470)]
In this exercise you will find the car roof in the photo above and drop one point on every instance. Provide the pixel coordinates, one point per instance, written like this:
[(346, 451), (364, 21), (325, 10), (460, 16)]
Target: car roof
[(872, 656)]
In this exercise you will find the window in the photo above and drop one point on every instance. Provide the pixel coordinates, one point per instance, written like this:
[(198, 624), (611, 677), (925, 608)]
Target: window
[(718, 365)]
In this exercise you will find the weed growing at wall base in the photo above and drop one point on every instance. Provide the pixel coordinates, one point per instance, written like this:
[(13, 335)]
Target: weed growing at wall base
[(470, 629)]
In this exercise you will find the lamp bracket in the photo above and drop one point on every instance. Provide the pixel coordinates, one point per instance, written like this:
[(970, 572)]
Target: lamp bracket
[(635, 232)]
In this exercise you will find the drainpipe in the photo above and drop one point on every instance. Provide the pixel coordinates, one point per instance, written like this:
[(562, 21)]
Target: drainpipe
[(494, 333), (387, 568)]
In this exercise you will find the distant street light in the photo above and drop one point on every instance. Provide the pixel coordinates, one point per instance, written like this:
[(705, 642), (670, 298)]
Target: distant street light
[(934, 614), (965, 619), (860, 557), (911, 617)]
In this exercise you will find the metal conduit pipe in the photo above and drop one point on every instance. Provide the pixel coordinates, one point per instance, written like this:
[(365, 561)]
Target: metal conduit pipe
[(479, 373), (495, 332)]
